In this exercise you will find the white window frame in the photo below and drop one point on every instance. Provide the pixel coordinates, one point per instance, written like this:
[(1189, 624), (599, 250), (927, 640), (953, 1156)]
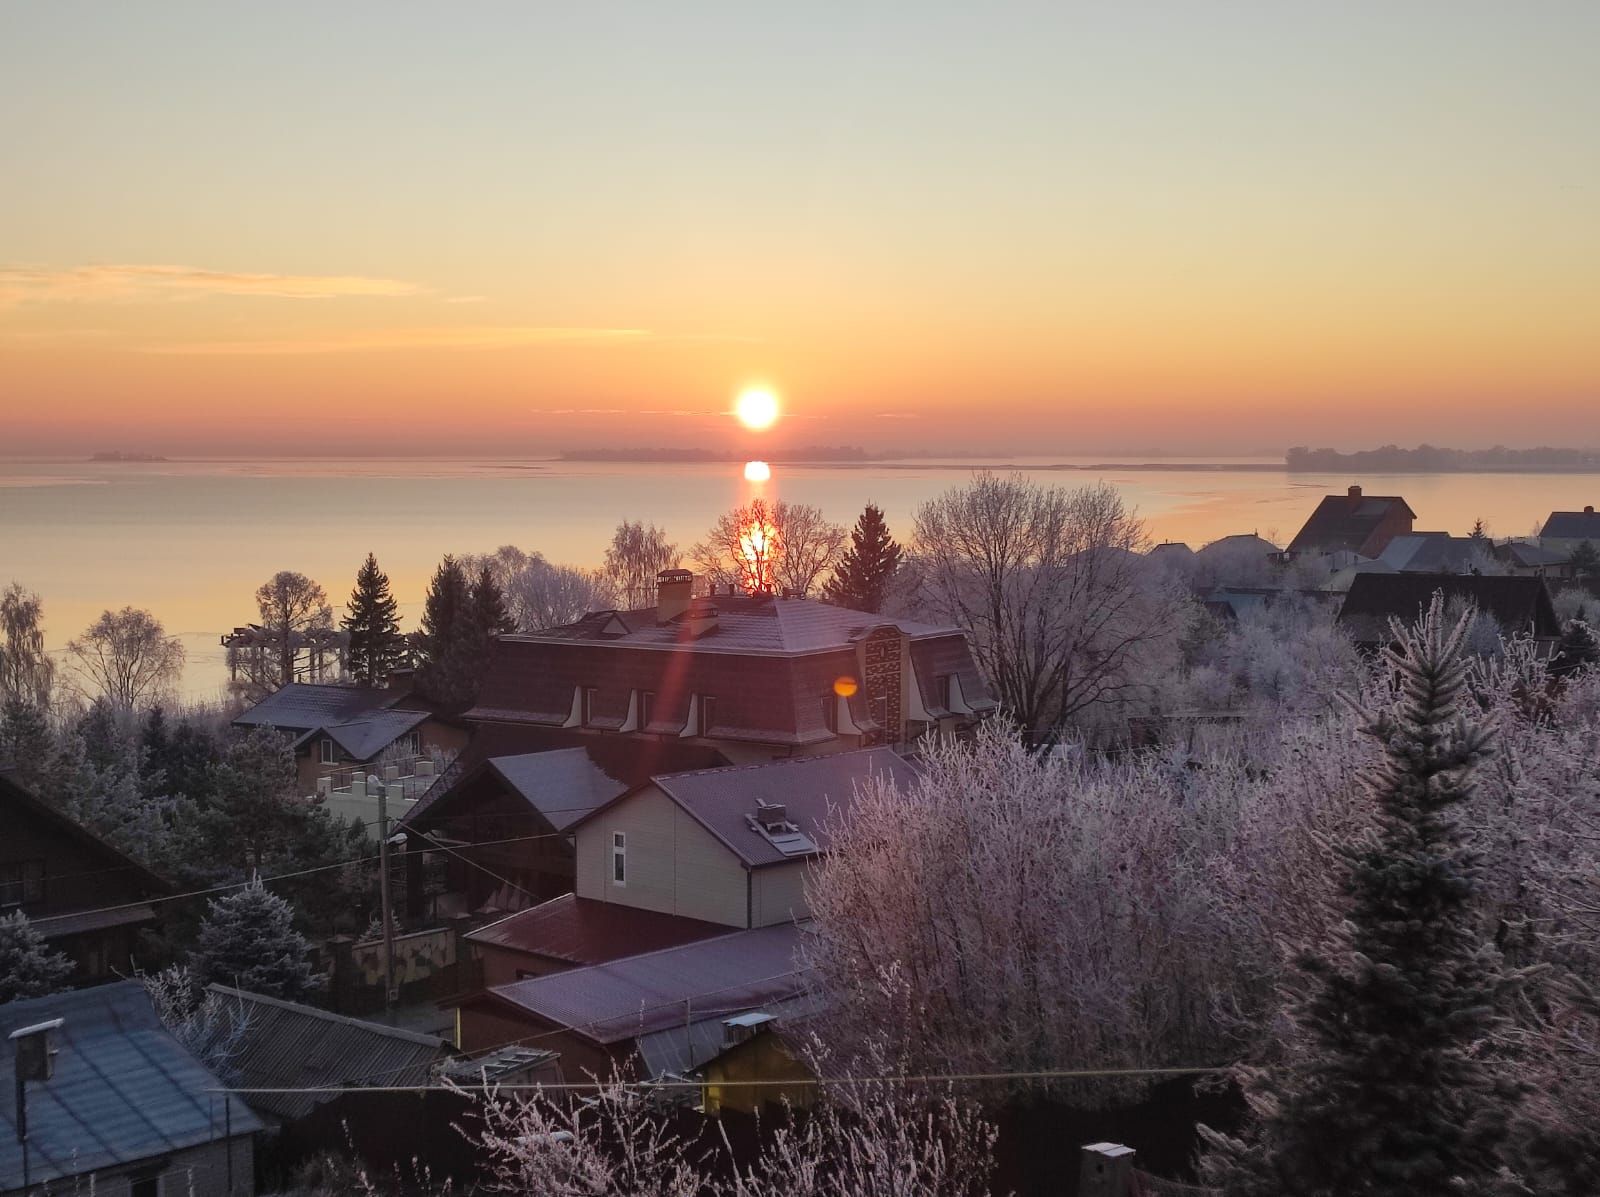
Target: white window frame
[(619, 858), (330, 754)]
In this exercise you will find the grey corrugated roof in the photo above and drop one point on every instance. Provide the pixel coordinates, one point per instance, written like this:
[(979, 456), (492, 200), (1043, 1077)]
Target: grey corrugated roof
[(301, 706), (678, 1050), (124, 1089), (563, 785), (745, 624), (364, 738), (287, 1045), (624, 999), (1429, 552), (811, 788)]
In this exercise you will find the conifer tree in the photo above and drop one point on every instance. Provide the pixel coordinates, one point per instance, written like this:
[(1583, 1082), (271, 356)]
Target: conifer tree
[(376, 645), (867, 565), (489, 610), (28, 968), (248, 940), (1585, 560), (1384, 1089), (447, 636), (1579, 649), (26, 744)]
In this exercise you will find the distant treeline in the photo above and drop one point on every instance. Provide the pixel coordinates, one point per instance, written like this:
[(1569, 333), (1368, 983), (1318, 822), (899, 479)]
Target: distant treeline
[(1431, 459), (804, 453)]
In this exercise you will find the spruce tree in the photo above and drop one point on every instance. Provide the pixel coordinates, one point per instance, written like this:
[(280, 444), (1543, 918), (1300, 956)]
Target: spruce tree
[(1585, 560), (28, 968), (1383, 1088), (867, 565), (447, 633), (489, 611), (376, 645), (1579, 649), (248, 940)]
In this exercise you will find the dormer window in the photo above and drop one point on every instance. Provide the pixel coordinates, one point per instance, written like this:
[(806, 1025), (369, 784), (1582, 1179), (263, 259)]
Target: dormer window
[(646, 701), (589, 694), (941, 686), (830, 712), (708, 714)]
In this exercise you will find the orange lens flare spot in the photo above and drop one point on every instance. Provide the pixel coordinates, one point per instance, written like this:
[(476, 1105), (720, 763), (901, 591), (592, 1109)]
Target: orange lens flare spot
[(757, 471), (845, 687)]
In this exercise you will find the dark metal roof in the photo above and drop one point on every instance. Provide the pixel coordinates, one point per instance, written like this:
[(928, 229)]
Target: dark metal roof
[(1518, 604), (303, 707), (812, 790), (623, 999), (124, 1089), (583, 931), (1430, 553), (364, 738), (1573, 525), (61, 925), (287, 1045)]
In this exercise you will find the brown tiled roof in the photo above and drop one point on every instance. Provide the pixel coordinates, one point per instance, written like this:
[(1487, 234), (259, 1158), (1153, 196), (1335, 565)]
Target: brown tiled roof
[(583, 931), (1345, 522)]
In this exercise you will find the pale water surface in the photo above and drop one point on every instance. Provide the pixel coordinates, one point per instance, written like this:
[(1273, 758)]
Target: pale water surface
[(192, 540)]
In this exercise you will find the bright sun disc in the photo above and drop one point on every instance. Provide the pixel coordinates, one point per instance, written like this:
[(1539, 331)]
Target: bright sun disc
[(756, 407), (757, 471)]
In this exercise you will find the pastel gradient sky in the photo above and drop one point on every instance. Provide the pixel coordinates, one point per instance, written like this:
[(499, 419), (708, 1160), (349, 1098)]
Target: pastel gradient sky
[(506, 228)]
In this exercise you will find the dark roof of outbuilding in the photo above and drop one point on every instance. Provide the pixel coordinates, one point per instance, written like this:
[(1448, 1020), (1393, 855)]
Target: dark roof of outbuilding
[(633, 996), (131, 870), (287, 1045), (365, 737), (1573, 525), (812, 790), (1345, 521), (124, 1089), (583, 931), (1530, 556), (1519, 604)]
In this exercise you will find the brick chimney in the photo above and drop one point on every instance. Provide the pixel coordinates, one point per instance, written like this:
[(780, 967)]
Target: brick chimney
[(1589, 510), (1355, 492), (674, 589)]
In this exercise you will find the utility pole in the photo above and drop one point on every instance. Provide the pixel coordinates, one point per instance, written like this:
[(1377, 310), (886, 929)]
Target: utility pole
[(35, 1061), (383, 895)]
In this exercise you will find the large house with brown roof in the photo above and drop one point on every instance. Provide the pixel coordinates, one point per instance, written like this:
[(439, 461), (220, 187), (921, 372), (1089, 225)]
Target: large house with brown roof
[(86, 898), (1566, 530), (757, 677), (1354, 522)]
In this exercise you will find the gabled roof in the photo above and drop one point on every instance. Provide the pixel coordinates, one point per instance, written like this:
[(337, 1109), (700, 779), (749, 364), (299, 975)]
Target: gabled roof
[(1347, 521), (302, 707), (365, 737), (1237, 542), (1531, 556), (288, 1045), (124, 1089), (1519, 604), (1573, 525), (129, 869), (812, 790), (584, 931), (577, 774), (627, 998), (1429, 553)]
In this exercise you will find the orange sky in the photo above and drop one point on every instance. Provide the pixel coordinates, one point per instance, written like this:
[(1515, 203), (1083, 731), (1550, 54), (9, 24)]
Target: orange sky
[(1030, 228)]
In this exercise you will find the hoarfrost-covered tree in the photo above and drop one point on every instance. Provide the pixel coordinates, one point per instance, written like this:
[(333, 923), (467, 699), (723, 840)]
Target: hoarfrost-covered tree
[(28, 968), (1051, 589), (27, 673), (291, 607), (1388, 1084), (769, 548), (546, 596), (637, 553), (126, 658), (248, 940)]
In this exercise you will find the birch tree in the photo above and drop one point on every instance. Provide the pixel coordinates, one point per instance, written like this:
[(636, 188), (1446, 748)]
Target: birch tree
[(127, 658)]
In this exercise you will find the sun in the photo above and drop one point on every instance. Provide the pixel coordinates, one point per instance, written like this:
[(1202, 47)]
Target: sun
[(756, 407), (757, 471)]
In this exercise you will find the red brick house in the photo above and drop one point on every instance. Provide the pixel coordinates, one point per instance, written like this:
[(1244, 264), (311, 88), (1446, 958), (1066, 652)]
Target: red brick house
[(1354, 522), (757, 677), (84, 896)]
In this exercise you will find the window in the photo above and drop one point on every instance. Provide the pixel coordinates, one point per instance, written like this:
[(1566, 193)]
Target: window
[(410, 744), (144, 1184), (941, 686), (708, 714), (646, 701), (330, 754), (830, 712), (619, 858), (21, 883), (588, 705)]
